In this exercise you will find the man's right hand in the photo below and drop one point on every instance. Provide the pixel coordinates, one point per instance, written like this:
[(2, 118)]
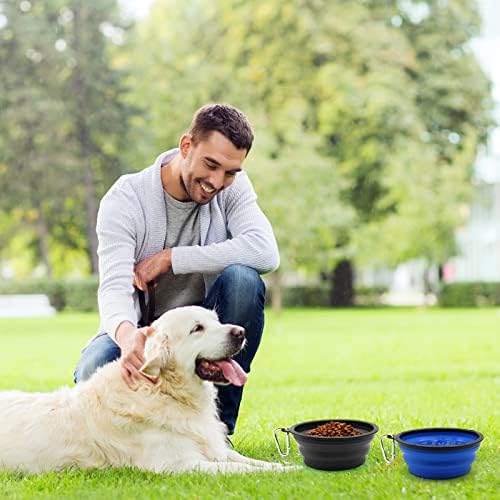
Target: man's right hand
[(131, 341), (151, 268)]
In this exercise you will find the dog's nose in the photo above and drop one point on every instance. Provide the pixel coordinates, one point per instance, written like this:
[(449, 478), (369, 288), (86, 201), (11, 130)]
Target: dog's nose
[(238, 332)]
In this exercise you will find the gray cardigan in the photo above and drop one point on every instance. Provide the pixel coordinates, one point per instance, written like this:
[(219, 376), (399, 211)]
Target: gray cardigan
[(132, 224)]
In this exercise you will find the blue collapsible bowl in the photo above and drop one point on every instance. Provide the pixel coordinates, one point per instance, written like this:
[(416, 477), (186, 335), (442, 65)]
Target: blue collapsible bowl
[(437, 453)]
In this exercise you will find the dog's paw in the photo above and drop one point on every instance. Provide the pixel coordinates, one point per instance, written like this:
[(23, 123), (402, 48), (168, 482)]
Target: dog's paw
[(291, 468), (277, 467)]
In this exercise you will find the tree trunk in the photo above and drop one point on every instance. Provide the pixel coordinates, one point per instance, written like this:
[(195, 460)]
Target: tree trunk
[(91, 217), (43, 239), (85, 146), (276, 292), (342, 292), (36, 196)]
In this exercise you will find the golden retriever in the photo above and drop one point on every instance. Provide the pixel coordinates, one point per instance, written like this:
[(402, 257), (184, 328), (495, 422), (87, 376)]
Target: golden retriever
[(171, 426)]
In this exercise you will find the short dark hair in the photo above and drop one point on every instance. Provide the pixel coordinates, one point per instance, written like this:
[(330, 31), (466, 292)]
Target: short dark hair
[(223, 118)]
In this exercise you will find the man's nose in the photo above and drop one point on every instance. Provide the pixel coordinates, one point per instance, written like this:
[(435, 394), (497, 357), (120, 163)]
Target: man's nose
[(217, 180)]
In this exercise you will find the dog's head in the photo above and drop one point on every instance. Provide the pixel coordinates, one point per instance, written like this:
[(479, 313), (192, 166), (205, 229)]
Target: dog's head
[(194, 341)]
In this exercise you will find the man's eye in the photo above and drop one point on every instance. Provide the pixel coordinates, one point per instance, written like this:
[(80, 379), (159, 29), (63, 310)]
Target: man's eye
[(197, 328), (210, 167), (230, 174)]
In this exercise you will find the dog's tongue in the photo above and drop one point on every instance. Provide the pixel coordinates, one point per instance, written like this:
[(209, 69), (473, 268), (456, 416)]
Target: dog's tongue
[(232, 371)]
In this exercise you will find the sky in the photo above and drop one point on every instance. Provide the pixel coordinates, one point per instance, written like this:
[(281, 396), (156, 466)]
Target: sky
[(136, 8), (486, 47)]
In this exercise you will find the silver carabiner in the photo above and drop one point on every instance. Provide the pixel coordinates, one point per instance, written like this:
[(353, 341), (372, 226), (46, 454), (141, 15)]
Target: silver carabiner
[(393, 449), (287, 440)]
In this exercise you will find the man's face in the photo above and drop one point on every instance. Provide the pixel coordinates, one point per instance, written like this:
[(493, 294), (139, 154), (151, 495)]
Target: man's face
[(209, 166)]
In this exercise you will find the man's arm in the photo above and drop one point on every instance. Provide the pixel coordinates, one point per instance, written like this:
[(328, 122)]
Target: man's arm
[(117, 241), (150, 268), (253, 243), (131, 341)]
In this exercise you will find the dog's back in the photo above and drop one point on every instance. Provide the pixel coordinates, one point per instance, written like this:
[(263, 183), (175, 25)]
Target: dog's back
[(35, 429), (100, 423), (65, 428)]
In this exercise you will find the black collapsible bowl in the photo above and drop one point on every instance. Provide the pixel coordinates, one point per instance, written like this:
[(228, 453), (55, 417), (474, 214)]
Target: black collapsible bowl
[(330, 453)]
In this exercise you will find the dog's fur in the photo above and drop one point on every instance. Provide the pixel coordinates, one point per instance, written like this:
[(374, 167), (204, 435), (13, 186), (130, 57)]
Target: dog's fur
[(171, 426)]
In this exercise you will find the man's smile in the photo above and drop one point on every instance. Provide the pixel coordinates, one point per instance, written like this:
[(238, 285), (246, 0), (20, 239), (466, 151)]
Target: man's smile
[(206, 188)]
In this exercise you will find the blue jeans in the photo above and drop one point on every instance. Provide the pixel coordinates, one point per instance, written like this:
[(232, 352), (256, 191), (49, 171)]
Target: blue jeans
[(238, 297)]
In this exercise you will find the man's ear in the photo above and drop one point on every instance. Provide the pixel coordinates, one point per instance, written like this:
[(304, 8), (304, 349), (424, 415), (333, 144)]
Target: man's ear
[(185, 144)]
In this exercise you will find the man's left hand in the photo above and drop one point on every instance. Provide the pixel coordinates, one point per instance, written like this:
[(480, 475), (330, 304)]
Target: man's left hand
[(150, 268)]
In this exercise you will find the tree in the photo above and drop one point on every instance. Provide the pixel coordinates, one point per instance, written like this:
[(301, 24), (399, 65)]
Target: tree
[(221, 57), (93, 91), (34, 167), (403, 116), (359, 157), (64, 120), (448, 101)]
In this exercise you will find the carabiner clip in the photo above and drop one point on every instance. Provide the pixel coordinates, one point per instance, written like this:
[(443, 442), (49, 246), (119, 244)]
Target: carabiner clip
[(287, 441), (393, 448)]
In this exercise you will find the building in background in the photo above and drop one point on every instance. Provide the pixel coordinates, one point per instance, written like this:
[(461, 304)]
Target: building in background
[(479, 241)]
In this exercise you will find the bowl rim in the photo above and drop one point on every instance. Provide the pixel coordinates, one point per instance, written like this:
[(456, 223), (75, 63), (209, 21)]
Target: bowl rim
[(374, 429), (401, 435)]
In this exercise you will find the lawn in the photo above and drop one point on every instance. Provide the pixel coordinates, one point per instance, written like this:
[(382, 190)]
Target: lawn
[(401, 369)]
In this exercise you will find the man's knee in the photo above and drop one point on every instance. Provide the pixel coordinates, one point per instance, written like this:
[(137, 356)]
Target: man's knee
[(242, 297), (243, 281), (99, 352)]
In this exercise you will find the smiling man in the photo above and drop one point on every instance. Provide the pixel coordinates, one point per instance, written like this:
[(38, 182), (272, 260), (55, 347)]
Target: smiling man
[(190, 223)]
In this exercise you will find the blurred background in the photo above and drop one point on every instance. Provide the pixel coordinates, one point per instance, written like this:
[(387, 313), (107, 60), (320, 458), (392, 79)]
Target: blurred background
[(377, 157)]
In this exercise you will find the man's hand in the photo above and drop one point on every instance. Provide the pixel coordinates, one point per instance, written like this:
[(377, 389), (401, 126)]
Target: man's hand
[(131, 341), (149, 269)]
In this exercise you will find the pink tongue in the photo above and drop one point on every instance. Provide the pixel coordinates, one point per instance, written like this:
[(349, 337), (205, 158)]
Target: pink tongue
[(232, 371)]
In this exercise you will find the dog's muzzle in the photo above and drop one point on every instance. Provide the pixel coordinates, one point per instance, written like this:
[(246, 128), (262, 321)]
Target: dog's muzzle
[(225, 370)]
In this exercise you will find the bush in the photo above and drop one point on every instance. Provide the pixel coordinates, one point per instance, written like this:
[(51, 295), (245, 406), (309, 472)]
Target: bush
[(319, 295), (81, 295), (302, 296), (471, 294), (53, 289), (369, 295), (73, 295)]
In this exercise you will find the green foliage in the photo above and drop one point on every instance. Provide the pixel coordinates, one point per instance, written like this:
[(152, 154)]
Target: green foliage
[(302, 296), (368, 116), (64, 294), (402, 369), (81, 294), (363, 150), (369, 295), (53, 289), (471, 294), (63, 120), (319, 295)]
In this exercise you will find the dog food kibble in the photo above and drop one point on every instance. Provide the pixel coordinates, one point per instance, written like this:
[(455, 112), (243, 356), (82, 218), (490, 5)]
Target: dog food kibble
[(334, 429)]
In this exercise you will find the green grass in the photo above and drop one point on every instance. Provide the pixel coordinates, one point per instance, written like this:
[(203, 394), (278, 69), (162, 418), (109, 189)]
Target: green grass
[(401, 369)]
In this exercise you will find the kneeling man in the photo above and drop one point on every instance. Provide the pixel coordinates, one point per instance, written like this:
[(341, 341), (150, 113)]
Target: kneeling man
[(191, 225)]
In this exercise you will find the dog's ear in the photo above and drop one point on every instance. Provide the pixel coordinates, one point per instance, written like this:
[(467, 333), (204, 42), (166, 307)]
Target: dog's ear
[(158, 358), (152, 367)]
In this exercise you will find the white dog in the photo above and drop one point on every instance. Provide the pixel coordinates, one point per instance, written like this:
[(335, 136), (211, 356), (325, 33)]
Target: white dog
[(171, 426)]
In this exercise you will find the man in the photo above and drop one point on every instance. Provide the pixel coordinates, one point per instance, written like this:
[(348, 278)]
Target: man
[(190, 223)]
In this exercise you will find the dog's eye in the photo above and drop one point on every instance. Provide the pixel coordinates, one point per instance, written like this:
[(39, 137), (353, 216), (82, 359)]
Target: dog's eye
[(197, 328)]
